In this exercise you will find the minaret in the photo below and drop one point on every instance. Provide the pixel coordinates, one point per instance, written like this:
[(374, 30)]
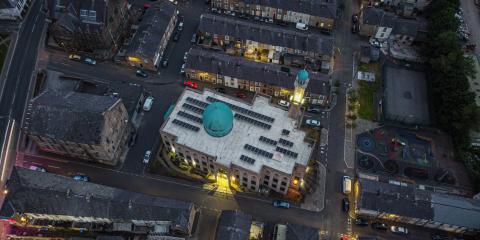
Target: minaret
[(297, 99)]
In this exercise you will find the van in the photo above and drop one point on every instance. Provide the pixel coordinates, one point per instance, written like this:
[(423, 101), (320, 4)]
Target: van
[(301, 26), (347, 184), (148, 104)]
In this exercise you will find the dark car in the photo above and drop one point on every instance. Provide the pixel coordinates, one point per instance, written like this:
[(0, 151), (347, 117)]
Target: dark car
[(240, 95), (220, 90), (165, 62), (439, 237), (354, 18), (345, 205), (281, 204), (176, 36), (243, 16), (314, 110), (380, 226), (361, 222), (141, 73)]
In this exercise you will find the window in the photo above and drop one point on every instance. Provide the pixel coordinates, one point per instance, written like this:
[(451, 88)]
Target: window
[(266, 177), (253, 182), (204, 163), (282, 189), (274, 185), (275, 180), (237, 176), (252, 188), (284, 184), (245, 179), (265, 182), (244, 184), (181, 154), (211, 166)]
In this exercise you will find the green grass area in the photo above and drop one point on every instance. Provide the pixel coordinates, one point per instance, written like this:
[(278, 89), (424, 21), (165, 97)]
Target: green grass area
[(367, 91), (3, 50)]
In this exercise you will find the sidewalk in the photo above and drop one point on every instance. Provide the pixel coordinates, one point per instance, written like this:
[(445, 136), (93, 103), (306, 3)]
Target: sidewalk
[(315, 201)]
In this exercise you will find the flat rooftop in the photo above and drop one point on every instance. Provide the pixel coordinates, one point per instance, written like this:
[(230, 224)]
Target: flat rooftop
[(406, 96), (252, 122)]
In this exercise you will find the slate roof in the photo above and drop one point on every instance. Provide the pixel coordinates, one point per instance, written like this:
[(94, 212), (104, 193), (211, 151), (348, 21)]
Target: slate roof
[(233, 225), (416, 203), (402, 26), (240, 68), (69, 116), (301, 232), (320, 8), (272, 35), (151, 29), (68, 13), (46, 193)]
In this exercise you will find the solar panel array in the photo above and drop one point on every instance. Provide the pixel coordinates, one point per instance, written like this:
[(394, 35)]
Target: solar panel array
[(285, 142), (190, 117), (185, 125), (258, 151), (244, 110), (252, 121), (287, 152), (192, 108), (197, 102), (247, 159), (268, 140)]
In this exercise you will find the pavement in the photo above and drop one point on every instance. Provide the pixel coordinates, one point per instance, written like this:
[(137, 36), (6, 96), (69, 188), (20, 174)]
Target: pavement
[(471, 14)]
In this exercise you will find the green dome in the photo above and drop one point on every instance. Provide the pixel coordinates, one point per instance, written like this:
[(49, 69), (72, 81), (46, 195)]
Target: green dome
[(302, 75), (217, 119)]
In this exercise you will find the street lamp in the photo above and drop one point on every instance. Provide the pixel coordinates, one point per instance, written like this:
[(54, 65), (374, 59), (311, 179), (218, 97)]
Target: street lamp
[(5, 191)]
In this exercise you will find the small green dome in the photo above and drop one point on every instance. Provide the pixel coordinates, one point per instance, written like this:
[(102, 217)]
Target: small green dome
[(302, 75), (218, 119)]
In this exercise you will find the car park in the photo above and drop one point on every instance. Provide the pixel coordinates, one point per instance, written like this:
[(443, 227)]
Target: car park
[(240, 95), (148, 104), (399, 230), (281, 204), (313, 110), (37, 168), (90, 61), (361, 222), (146, 157), (379, 226), (141, 73), (190, 84), (81, 178), (313, 122), (283, 103), (74, 57), (165, 62), (345, 204)]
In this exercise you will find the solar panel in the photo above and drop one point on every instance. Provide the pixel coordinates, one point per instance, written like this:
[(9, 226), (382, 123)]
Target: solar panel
[(252, 121), (197, 102), (190, 117), (285, 142), (192, 108), (258, 151), (285, 132), (287, 152), (247, 159), (268, 140), (185, 125), (243, 110)]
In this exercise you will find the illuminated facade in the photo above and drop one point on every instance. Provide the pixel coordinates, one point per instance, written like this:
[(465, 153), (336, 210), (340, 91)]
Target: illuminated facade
[(255, 145)]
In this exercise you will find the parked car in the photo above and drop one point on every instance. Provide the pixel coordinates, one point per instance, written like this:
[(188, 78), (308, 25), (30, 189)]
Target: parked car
[(74, 57), (313, 110), (180, 26), (37, 168), (182, 69), (256, 18), (148, 104), (243, 16), (165, 62), (281, 204), (146, 157), (345, 204), (301, 26), (190, 84), (361, 222), (81, 178), (141, 73), (240, 95), (312, 122), (176, 36), (375, 43), (221, 90), (185, 56), (90, 61), (173, 1), (439, 237), (379, 226), (283, 103), (399, 230), (194, 38)]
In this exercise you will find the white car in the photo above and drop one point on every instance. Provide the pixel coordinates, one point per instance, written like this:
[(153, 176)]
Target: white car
[(148, 104), (185, 56), (173, 1), (283, 103), (374, 42), (312, 122), (37, 168), (399, 230), (147, 156), (182, 70)]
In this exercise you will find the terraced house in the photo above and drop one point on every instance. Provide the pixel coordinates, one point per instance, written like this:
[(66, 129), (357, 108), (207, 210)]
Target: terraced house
[(266, 43), (315, 13), (266, 78)]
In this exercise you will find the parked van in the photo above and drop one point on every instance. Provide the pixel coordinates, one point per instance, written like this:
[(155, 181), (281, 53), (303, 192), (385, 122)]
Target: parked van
[(148, 104), (302, 26), (347, 184)]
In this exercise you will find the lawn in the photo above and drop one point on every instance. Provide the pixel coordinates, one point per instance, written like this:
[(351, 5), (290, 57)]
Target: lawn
[(367, 92)]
